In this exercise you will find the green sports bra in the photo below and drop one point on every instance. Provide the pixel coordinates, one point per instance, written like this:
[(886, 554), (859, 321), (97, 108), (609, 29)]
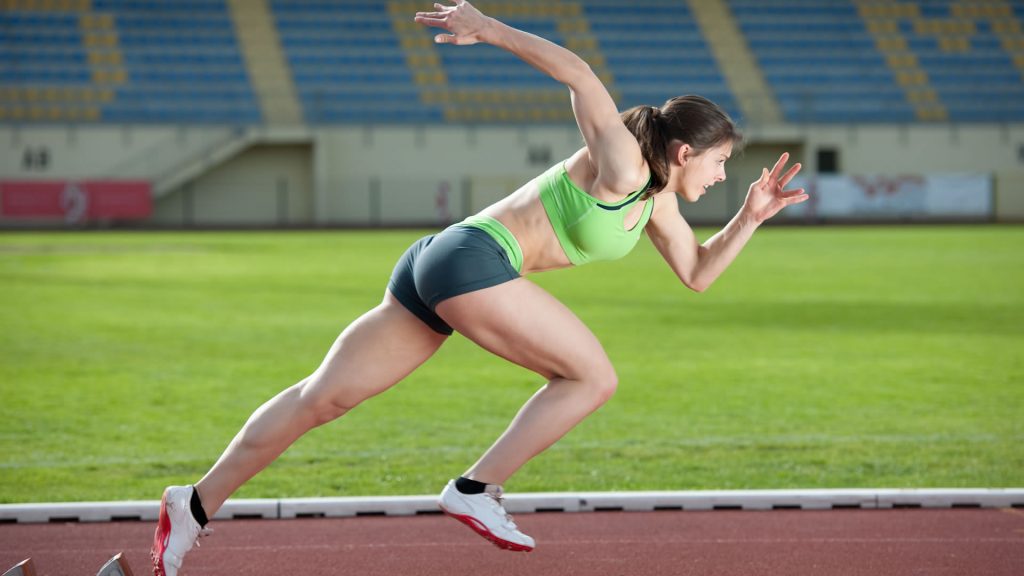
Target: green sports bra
[(587, 229)]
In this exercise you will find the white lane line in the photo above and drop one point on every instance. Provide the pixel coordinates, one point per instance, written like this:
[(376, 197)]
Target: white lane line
[(553, 543)]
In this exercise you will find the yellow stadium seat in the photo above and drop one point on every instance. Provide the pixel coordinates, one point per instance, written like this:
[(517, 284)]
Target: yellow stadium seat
[(1006, 27)]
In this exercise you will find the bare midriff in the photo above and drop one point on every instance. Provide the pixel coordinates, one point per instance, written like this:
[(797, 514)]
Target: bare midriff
[(523, 214)]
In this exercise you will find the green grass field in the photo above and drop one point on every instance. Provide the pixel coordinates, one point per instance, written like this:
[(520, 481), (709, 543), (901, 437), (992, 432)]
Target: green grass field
[(824, 358)]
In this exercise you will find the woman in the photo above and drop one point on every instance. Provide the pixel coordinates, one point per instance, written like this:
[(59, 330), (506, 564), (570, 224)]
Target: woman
[(470, 278)]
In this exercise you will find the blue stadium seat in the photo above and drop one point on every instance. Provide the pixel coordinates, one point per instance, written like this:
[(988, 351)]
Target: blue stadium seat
[(818, 54), (179, 60)]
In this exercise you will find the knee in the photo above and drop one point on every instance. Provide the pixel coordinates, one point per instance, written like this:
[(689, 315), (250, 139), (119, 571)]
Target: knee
[(322, 402), (605, 382), (599, 383)]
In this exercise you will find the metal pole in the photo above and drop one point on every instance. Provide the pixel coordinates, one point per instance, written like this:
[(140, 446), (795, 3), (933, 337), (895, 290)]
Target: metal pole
[(467, 198), (282, 201), (187, 208), (375, 216)]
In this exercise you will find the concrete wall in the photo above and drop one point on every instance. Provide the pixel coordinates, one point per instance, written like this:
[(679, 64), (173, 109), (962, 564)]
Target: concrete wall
[(395, 175), (1010, 196), (269, 184), (101, 151), (401, 174)]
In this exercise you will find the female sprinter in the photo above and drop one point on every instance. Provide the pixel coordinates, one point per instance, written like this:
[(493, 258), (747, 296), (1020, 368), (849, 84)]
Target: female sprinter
[(471, 278)]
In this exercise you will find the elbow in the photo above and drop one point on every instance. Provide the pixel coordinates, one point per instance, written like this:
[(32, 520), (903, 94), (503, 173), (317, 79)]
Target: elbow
[(578, 74), (695, 283), (697, 286), (695, 278)]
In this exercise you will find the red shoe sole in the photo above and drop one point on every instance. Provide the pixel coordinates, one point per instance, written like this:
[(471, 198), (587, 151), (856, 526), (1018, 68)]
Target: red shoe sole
[(483, 531), (163, 531)]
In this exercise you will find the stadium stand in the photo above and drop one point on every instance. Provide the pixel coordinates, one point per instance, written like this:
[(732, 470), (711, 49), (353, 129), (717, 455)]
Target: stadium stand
[(656, 51), (137, 61), (824, 61), (183, 63), (347, 62), (871, 61), (370, 62)]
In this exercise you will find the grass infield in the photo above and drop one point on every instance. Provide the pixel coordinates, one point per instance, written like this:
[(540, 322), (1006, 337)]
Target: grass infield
[(823, 358)]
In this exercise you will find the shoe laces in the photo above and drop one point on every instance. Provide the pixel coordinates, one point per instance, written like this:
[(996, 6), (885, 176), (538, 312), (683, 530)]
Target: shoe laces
[(203, 533), (197, 532), (496, 494)]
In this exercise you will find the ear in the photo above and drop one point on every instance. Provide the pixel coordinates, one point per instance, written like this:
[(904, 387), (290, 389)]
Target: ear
[(680, 153), (684, 154)]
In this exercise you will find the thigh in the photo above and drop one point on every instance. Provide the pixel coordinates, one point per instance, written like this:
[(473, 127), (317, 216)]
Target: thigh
[(524, 324), (373, 353)]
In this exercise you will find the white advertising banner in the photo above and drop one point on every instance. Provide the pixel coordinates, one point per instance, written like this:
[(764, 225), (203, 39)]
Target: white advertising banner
[(942, 196)]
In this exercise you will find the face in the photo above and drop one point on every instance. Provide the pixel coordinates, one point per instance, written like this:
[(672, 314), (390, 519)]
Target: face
[(700, 171)]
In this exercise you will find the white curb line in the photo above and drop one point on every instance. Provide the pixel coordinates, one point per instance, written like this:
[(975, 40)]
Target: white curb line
[(537, 502)]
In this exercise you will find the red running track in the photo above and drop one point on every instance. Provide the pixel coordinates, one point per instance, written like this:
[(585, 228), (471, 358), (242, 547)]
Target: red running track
[(932, 542)]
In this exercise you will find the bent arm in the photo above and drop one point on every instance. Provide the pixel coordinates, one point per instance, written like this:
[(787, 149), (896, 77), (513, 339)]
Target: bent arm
[(613, 150), (699, 265), (696, 265)]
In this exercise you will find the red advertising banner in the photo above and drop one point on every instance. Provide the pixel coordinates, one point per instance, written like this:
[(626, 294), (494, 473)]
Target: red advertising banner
[(76, 201)]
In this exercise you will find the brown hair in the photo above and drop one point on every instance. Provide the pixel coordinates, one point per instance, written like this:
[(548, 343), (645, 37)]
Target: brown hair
[(694, 120)]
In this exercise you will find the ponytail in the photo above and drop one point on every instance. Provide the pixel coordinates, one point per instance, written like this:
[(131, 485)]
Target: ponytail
[(645, 124), (694, 120)]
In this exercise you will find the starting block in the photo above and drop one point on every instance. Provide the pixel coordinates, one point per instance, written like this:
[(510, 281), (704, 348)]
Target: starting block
[(116, 566), (23, 568)]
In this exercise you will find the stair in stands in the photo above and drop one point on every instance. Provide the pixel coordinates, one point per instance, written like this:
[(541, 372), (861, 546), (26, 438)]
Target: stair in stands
[(738, 66), (265, 63)]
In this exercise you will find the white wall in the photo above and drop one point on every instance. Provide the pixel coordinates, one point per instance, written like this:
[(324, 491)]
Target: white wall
[(102, 151), (268, 184), (889, 150), (395, 175)]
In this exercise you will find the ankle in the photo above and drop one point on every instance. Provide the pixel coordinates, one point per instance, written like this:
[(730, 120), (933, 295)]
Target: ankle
[(196, 507), (468, 486)]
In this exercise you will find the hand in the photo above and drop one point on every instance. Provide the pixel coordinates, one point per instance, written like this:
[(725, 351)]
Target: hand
[(465, 23), (767, 196)]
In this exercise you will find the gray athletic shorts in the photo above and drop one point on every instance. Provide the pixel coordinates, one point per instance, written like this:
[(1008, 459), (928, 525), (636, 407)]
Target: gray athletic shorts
[(458, 260)]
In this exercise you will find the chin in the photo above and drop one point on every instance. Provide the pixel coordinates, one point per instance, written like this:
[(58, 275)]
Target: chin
[(691, 197)]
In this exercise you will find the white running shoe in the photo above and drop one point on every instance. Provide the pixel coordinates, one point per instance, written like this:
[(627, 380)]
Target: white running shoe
[(485, 514), (176, 531)]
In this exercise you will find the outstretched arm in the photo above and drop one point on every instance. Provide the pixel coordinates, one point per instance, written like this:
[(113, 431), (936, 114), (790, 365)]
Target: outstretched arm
[(614, 152), (699, 265)]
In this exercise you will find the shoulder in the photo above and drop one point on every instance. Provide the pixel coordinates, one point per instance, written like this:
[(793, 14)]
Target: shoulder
[(620, 179), (666, 207)]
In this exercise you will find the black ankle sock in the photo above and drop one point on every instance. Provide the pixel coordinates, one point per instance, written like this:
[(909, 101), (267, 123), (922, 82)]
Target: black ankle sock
[(467, 486), (197, 508)]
